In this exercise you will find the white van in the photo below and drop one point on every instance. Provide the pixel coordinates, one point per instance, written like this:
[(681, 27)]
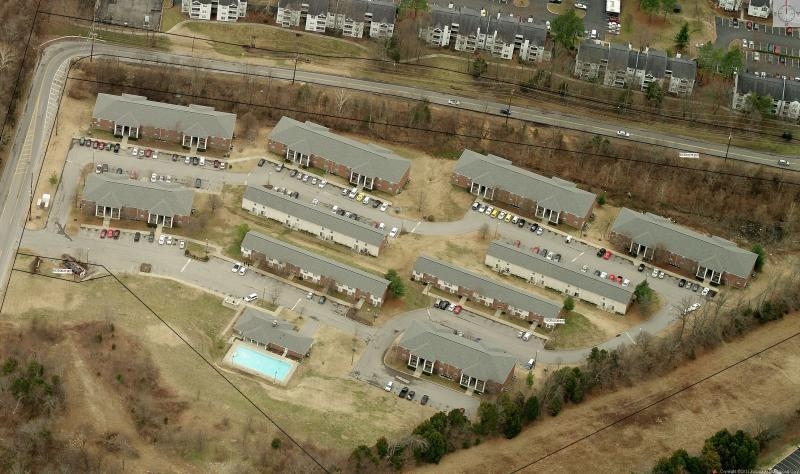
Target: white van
[(530, 364), (526, 336), (202, 161)]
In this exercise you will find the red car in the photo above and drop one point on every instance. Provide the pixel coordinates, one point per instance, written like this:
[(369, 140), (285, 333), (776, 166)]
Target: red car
[(749, 25), (116, 234), (788, 31), (148, 153), (216, 163), (535, 250), (457, 309), (619, 278), (103, 233), (607, 255), (612, 277)]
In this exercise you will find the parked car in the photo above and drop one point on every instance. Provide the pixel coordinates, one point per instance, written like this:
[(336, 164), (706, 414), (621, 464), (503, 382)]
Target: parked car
[(137, 236), (161, 239), (607, 255), (501, 215), (116, 234), (393, 232), (313, 181), (585, 268), (352, 194), (641, 267), (410, 395), (695, 287), (151, 237), (521, 223), (705, 291), (82, 141), (148, 153), (476, 205), (261, 162), (389, 386), (682, 283), (506, 111), (322, 299), (543, 252), (322, 183), (251, 297), (661, 275), (187, 160), (601, 252), (365, 200), (306, 177), (508, 217), (376, 203), (457, 309), (293, 173), (195, 161), (384, 206), (626, 282), (103, 233), (534, 227), (279, 167), (215, 163), (236, 267), (309, 295), (243, 270), (489, 210), (424, 400), (453, 102), (182, 245), (540, 230), (403, 392), (198, 182), (116, 148), (557, 257), (623, 133), (655, 273)]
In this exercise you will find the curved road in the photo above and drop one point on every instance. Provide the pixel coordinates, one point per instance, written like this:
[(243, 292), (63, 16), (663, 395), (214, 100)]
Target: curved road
[(36, 123)]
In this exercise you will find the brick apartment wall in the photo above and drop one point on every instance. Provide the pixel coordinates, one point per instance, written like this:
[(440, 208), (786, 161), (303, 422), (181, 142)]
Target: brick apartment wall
[(523, 206), (163, 134), (219, 143)]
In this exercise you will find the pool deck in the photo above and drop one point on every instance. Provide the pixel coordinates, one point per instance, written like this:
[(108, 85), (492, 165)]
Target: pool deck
[(228, 360)]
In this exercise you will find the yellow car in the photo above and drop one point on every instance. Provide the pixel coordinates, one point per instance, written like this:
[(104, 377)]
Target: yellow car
[(360, 197), (494, 213), (508, 218)]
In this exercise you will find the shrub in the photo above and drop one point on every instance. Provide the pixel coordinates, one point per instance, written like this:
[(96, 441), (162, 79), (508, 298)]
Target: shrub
[(276, 443)]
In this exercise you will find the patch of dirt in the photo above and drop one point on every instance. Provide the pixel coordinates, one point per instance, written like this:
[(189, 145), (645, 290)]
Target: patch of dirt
[(764, 386), (521, 3)]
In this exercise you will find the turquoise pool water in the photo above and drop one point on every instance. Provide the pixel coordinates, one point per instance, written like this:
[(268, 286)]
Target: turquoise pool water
[(265, 364)]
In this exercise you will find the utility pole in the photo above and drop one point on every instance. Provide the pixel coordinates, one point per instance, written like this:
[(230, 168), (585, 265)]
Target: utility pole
[(510, 94), (294, 71), (92, 33), (727, 149)]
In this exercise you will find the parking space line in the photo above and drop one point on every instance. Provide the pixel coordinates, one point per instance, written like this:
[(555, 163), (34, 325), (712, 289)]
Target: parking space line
[(629, 337), (295, 305), (579, 256), (186, 265)]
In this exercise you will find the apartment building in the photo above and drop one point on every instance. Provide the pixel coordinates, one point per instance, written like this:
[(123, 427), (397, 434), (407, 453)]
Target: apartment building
[(785, 94), (219, 10), (315, 220), (350, 18)]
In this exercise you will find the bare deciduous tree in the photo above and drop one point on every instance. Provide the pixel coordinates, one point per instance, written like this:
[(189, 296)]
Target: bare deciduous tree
[(342, 96), (7, 56)]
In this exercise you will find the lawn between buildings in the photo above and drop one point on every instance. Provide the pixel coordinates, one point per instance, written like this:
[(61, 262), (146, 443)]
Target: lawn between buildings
[(361, 413)]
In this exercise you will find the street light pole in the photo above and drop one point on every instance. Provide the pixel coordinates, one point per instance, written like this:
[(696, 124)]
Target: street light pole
[(730, 136), (510, 94)]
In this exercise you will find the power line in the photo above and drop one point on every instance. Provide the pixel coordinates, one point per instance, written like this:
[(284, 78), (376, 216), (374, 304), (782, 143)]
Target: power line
[(423, 129), (203, 358), (584, 101), (660, 400)]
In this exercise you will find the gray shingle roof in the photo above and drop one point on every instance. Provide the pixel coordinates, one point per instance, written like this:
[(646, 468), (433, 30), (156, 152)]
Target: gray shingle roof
[(618, 56), (135, 110), (711, 252), (554, 193), (653, 62), (261, 327), (682, 68), (487, 287), (592, 52), (572, 276), (365, 158), (384, 12), (321, 216), (305, 259), (779, 89), (164, 199), (508, 27), (473, 358)]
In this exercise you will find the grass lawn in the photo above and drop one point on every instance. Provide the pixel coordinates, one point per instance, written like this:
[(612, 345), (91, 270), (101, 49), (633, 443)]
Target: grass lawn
[(578, 332), (171, 16), (272, 38)]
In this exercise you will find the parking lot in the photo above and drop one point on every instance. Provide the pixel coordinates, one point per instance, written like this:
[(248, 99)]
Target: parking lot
[(138, 13), (774, 50)]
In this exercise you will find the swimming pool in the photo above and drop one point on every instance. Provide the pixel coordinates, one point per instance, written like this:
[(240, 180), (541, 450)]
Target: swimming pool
[(262, 363)]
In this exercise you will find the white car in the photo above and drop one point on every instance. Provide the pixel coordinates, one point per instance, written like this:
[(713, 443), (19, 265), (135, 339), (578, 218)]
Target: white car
[(153, 178), (393, 232), (365, 200), (751, 44), (381, 226), (309, 295), (169, 240), (655, 273), (626, 282), (314, 181), (581, 6), (489, 210), (453, 102), (744, 43), (383, 207), (623, 133), (539, 231), (705, 291), (188, 160), (603, 275), (585, 268), (322, 183), (182, 245), (693, 307), (155, 154), (305, 178), (352, 194), (661, 275), (315, 201), (162, 239), (169, 179), (547, 24), (243, 270), (335, 209), (135, 151), (236, 267), (389, 386), (251, 297), (502, 215)]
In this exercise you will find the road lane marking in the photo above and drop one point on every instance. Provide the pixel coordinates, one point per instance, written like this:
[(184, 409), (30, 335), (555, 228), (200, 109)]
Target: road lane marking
[(579, 256), (295, 305), (629, 337), (415, 227), (186, 265)]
